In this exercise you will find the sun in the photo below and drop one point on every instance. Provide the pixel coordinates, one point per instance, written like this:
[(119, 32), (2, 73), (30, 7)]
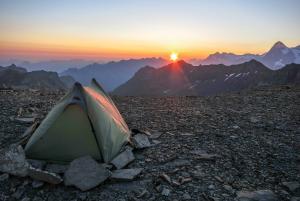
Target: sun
[(173, 56)]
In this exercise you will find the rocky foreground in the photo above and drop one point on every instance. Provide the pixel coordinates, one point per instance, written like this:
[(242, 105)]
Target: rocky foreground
[(239, 146)]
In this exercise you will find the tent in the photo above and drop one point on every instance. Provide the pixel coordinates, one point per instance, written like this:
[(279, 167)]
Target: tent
[(84, 122)]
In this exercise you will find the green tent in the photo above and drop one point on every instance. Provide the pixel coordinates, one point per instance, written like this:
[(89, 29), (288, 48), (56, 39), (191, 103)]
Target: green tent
[(84, 122)]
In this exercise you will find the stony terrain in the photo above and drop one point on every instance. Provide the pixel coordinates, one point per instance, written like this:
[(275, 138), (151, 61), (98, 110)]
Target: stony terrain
[(252, 140)]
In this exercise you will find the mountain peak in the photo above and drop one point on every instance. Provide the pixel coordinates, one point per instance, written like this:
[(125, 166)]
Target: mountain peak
[(181, 62), (279, 44)]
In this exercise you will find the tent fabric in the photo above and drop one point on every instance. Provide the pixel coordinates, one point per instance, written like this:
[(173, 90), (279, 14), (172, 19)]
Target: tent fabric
[(84, 122)]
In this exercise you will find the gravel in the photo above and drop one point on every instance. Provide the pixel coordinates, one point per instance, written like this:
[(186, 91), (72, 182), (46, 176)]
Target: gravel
[(253, 136)]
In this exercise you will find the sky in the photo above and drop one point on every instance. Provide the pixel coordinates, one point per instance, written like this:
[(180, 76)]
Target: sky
[(120, 29)]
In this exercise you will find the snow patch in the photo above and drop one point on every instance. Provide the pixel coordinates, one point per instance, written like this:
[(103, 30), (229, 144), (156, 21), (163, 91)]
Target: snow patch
[(279, 63), (228, 76), (238, 75), (285, 51), (166, 91)]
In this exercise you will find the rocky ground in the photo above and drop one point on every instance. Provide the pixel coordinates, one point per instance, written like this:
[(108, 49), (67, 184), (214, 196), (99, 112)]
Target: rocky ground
[(207, 148)]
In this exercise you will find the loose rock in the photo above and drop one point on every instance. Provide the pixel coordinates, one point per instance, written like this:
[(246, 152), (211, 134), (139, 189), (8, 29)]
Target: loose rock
[(56, 168), (45, 176), (141, 141), (39, 164), (126, 174), (4, 177), (85, 173), (260, 195), (123, 159), (14, 162), (293, 186)]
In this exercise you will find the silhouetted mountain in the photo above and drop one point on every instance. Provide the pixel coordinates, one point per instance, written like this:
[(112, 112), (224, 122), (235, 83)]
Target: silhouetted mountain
[(14, 67), (55, 65), (112, 74), (17, 77), (181, 78), (277, 57), (67, 80)]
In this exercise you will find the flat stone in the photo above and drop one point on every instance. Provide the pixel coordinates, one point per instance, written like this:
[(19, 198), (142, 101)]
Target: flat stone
[(178, 163), (37, 184), (45, 176), (291, 185), (126, 174), (260, 195), (123, 159), (25, 119), (85, 173), (56, 168), (13, 161), (4, 177), (205, 156), (39, 164), (155, 135), (165, 191), (141, 141), (30, 130), (186, 196)]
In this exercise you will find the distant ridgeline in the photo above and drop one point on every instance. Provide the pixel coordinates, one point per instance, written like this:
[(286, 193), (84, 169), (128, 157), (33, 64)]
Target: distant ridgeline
[(181, 78), (18, 78)]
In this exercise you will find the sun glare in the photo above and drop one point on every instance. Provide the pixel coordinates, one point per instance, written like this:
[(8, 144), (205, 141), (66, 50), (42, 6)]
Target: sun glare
[(173, 56)]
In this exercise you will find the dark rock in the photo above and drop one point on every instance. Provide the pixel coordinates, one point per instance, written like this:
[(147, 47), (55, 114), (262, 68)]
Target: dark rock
[(56, 168), (155, 135), (13, 161), (37, 184), (141, 141), (123, 159), (165, 191), (45, 176), (26, 120), (186, 196), (4, 177), (260, 195), (126, 174), (292, 186), (38, 164), (85, 173), (28, 132)]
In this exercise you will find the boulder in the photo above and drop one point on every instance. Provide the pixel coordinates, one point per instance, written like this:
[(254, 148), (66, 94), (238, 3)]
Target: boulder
[(123, 159), (13, 161), (126, 174), (45, 176), (260, 195), (141, 141), (85, 173)]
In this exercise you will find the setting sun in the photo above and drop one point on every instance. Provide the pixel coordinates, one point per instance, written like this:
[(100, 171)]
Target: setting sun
[(174, 56)]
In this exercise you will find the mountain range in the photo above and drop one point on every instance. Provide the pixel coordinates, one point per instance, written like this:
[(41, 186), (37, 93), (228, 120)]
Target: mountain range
[(181, 78), (18, 78), (112, 74), (277, 57)]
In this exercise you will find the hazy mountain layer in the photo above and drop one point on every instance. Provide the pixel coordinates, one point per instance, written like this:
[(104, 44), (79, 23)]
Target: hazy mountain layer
[(17, 77), (112, 74)]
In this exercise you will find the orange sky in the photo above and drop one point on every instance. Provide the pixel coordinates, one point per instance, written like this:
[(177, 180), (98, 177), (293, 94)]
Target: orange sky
[(120, 29)]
